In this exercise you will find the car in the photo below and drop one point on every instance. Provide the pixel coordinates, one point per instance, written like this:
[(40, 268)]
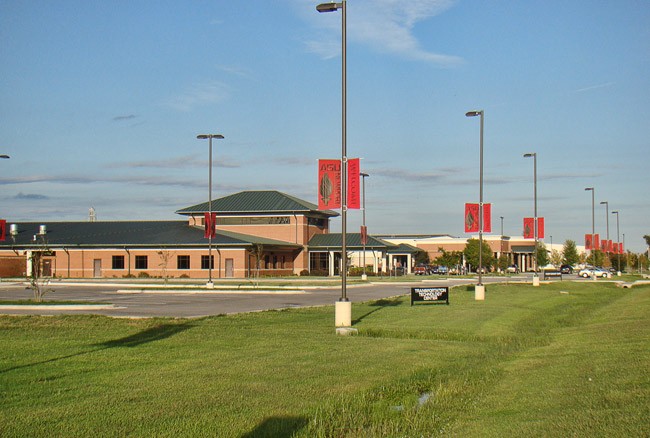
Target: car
[(512, 269), (420, 270), (566, 269), (597, 272), (443, 270)]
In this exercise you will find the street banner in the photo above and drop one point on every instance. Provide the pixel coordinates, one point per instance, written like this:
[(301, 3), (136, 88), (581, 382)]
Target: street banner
[(620, 248), (603, 245), (329, 184), (487, 218), (210, 222), (354, 187), (3, 229), (540, 227), (596, 241), (364, 235), (588, 242), (615, 247), (471, 218), (610, 246), (529, 228)]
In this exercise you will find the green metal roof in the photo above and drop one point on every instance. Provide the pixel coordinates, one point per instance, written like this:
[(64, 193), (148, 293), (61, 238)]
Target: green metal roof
[(256, 202), (353, 241), (127, 234)]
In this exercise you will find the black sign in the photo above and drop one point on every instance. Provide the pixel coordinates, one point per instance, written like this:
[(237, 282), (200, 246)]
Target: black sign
[(430, 294), (552, 274)]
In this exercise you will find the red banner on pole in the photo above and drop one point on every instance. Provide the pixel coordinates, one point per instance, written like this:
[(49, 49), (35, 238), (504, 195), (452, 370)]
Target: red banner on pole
[(487, 218), (596, 241), (210, 225), (3, 230), (529, 228), (354, 187), (588, 242), (615, 247), (620, 248), (471, 218), (540, 227), (329, 184), (364, 235)]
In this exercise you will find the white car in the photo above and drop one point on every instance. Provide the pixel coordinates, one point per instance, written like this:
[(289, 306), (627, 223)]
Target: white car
[(598, 272)]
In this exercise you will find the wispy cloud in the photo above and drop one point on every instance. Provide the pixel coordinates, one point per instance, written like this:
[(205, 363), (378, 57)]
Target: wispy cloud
[(30, 196), (594, 87), (198, 95), (124, 118), (147, 180), (386, 26), (182, 162)]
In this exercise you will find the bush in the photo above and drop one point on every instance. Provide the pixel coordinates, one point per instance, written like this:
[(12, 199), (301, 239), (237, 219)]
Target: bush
[(143, 275)]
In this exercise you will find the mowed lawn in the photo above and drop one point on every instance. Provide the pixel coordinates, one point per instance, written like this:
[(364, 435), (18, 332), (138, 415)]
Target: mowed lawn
[(565, 359)]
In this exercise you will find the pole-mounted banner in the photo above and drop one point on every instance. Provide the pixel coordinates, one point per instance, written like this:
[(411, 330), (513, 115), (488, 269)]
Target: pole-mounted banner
[(354, 186), (210, 221), (472, 216), (3, 229)]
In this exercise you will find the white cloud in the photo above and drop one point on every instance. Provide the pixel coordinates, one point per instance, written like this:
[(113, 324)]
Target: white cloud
[(384, 25), (200, 94)]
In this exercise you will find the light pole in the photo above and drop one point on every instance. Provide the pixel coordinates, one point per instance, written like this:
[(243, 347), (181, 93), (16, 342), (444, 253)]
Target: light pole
[(501, 246), (607, 219), (535, 275), (210, 285), (618, 253), (343, 309), (593, 225), (479, 290), (365, 232)]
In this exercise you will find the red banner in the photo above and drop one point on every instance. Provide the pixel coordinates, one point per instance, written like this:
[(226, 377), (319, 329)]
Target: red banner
[(588, 242), (471, 218), (210, 225), (529, 228), (540, 227), (596, 241), (3, 229), (364, 235), (603, 245), (329, 184), (620, 248), (615, 247), (487, 218), (610, 246), (354, 187)]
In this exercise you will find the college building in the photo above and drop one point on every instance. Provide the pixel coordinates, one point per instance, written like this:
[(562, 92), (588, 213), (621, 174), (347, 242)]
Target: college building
[(265, 233)]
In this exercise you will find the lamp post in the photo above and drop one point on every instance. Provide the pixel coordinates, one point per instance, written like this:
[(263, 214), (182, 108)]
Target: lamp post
[(535, 228), (343, 307), (479, 289), (365, 233), (618, 253), (210, 285), (593, 225)]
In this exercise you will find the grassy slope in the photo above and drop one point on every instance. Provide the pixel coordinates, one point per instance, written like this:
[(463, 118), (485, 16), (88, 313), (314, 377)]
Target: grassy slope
[(520, 361)]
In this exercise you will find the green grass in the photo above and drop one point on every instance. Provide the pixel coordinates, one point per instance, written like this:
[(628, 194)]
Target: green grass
[(559, 360)]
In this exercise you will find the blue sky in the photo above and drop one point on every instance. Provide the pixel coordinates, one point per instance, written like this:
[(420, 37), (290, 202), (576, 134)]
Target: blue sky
[(101, 102)]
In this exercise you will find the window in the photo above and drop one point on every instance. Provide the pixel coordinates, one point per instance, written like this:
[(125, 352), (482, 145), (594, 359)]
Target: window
[(271, 220), (183, 262), (118, 262), (141, 262), (206, 261)]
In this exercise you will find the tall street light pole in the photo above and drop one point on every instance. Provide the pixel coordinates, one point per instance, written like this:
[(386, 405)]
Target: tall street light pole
[(535, 275), (618, 253), (606, 217), (593, 225), (343, 317), (365, 233), (210, 285), (479, 289)]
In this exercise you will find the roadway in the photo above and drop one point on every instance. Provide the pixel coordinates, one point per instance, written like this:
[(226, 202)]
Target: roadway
[(119, 300)]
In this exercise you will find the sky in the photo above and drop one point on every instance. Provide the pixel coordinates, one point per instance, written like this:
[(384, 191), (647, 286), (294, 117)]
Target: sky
[(101, 103)]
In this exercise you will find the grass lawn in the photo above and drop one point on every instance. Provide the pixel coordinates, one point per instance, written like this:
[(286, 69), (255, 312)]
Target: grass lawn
[(566, 359)]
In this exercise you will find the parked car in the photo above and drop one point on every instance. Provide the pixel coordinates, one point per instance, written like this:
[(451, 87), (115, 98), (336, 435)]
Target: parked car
[(566, 269), (421, 270), (443, 270), (512, 269), (598, 272)]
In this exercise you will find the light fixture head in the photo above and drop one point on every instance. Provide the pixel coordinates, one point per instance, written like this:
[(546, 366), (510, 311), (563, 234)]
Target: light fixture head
[(328, 7), (532, 154), (204, 136), (474, 113), (589, 188)]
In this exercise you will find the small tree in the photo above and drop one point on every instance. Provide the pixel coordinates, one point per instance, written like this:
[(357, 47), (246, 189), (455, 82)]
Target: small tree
[(165, 257), (448, 258), (421, 257), (39, 283), (504, 261), (257, 250), (570, 254), (542, 255), (471, 253), (556, 257)]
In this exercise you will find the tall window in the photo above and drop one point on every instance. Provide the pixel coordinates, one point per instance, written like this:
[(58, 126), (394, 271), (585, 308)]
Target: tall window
[(141, 262), (206, 261), (118, 262), (183, 262)]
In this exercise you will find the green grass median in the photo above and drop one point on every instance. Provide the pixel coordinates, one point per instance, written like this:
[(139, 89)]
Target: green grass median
[(565, 359)]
